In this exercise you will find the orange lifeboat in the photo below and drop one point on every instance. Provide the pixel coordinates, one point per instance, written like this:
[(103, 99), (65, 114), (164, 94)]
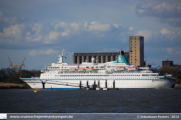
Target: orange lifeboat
[(119, 68), (81, 69), (131, 68), (72, 69), (89, 69)]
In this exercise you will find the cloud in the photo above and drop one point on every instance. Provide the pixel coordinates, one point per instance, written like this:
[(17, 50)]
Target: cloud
[(13, 31), (175, 22), (179, 52), (65, 33), (140, 11), (156, 9), (130, 28), (10, 20), (38, 38), (162, 35), (116, 25), (75, 26), (168, 12), (61, 25), (146, 33), (85, 24), (42, 52), (34, 35), (36, 28), (52, 36), (171, 35), (169, 50), (33, 38), (94, 26), (164, 31)]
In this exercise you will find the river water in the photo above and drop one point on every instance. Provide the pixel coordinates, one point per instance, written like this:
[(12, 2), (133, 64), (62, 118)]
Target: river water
[(82, 101)]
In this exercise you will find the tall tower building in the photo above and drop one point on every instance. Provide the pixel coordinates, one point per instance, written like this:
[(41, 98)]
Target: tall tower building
[(136, 48)]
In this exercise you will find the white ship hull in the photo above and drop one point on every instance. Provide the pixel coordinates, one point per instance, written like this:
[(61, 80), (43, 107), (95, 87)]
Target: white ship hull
[(119, 84)]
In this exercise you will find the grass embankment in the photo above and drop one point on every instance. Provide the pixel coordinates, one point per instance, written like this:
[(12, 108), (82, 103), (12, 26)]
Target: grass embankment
[(11, 85), (177, 85)]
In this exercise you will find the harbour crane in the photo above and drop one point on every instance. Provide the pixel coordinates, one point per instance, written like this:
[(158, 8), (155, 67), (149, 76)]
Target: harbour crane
[(11, 64), (22, 64), (16, 67)]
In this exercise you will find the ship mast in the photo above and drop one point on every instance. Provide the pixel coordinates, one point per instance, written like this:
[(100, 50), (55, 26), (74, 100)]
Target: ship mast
[(61, 57)]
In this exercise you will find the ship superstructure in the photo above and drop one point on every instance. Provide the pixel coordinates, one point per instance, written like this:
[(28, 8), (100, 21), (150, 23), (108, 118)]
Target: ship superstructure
[(111, 75)]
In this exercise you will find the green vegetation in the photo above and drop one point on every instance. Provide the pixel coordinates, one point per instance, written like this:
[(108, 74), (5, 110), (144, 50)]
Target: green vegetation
[(7, 75), (175, 72)]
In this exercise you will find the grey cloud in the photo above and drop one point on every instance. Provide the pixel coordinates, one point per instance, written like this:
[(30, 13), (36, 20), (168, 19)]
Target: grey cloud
[(168, 12), (176, 22), (34, 34)]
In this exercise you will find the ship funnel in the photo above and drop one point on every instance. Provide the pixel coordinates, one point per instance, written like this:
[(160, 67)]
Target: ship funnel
[(121, 58)]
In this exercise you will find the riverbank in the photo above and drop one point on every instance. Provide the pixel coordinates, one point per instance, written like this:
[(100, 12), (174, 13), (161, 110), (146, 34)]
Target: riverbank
[(11, 85)]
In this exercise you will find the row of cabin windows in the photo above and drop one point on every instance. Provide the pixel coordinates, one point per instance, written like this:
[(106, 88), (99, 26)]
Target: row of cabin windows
[(53, 67), (101, 75)]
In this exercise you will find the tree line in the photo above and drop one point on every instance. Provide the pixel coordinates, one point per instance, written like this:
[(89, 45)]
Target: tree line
[(8, 75), (175, 72)]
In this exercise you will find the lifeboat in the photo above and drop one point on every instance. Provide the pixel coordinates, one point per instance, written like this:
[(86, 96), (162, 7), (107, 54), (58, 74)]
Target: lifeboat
[(119, 68), (81, 69), (72, 69), (131, 68), (89, 69)]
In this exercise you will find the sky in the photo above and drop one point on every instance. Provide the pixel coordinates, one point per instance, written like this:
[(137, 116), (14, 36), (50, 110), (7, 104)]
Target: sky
[(40, 29)]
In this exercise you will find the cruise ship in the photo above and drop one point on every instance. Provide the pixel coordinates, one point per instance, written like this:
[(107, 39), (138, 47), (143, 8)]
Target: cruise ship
[(92, 75)]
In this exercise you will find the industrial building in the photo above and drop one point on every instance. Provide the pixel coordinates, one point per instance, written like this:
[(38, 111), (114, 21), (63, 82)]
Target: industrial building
[(136, 48), (135, 55), (101, 57), (169, 64)]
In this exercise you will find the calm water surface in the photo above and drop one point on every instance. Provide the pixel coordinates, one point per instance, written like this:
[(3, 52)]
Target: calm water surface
[(82, 101)]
